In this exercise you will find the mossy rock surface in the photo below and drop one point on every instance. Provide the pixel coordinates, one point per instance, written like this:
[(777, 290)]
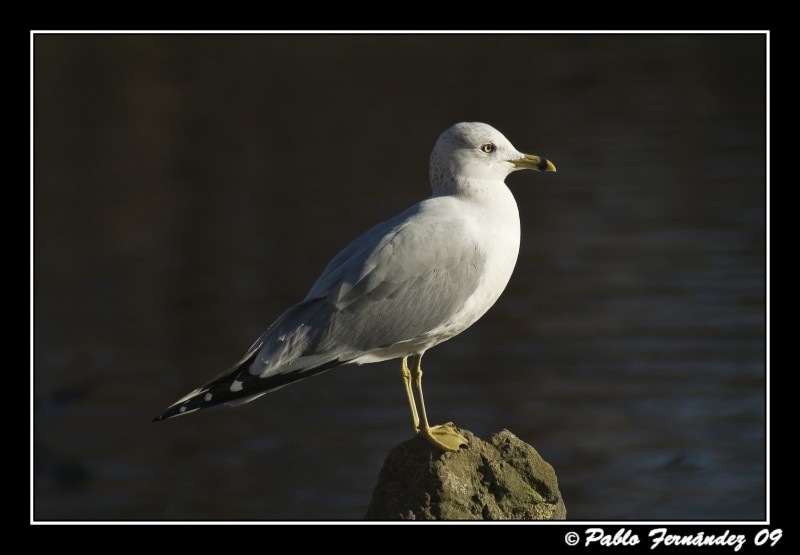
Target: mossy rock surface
[(500, 479)]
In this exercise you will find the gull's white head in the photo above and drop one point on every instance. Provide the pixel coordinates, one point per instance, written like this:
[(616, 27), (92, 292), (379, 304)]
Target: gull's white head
[(471, 153)]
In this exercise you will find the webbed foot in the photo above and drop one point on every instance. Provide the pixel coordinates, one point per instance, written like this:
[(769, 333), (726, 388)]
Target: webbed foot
[(444, 436)]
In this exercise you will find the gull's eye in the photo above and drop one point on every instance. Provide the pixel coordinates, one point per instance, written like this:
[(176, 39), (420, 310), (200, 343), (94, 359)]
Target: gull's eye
[(488, 148)]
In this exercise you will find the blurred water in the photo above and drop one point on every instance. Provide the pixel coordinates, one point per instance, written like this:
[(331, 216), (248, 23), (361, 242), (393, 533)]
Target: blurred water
[(188, 189)]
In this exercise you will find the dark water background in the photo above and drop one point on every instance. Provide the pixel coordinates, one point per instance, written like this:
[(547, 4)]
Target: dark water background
[(188, 189)]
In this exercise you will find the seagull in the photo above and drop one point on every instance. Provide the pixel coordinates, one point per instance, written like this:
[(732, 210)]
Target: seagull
[(402, 287)]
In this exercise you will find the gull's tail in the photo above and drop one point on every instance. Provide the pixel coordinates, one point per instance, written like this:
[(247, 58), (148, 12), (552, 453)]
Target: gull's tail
[(238, 386)]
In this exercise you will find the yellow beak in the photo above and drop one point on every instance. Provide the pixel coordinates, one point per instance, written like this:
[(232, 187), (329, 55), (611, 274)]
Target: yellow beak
[(533, 162)]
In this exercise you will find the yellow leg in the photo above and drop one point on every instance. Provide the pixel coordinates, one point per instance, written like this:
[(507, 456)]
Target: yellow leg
[(444, 436), (406, 373)]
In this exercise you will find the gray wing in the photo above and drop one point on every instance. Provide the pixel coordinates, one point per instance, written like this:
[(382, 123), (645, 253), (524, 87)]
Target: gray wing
[(397, 282)]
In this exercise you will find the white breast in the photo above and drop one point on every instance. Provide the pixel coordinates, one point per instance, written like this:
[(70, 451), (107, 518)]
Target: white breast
[(496, 232)]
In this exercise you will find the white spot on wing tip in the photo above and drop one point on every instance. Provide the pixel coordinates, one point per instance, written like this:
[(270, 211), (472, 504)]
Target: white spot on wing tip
[(186, 397), (207, 397), (182, 409), (236, 386)]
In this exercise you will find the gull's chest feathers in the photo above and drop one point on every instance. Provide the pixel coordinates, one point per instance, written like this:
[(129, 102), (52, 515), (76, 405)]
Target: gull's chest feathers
[(492, 226)]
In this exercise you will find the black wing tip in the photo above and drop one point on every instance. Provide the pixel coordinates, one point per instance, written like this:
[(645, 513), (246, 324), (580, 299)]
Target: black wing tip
[(219, 392), (171, 412), (186, 407)]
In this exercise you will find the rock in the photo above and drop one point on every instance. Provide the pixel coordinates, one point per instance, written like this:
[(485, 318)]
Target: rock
[(502, 479)]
